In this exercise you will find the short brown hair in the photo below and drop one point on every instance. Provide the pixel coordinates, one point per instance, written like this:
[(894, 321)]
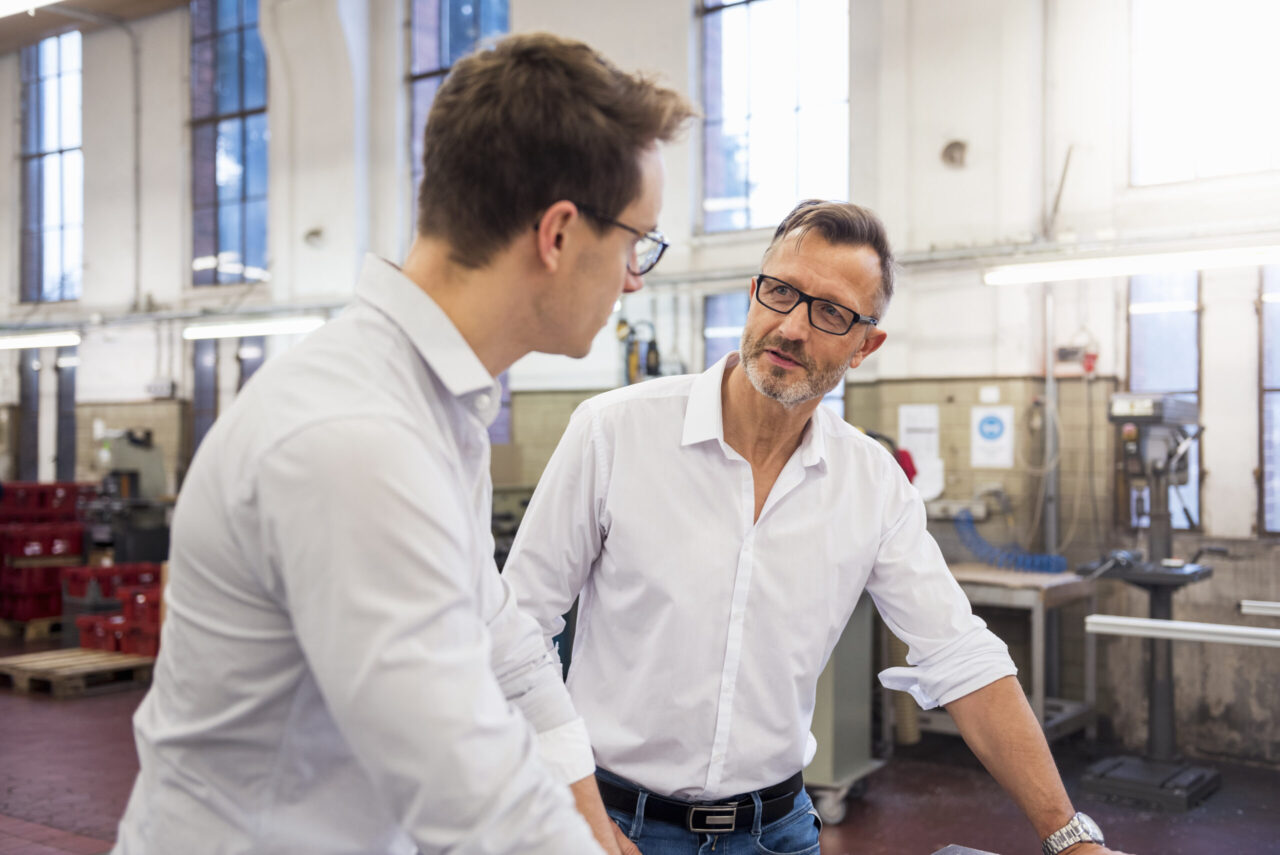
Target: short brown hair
[(535, 120), (842, 223)]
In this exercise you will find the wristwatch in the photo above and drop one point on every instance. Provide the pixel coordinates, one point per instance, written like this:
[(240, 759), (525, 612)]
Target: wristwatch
[(1081, 829)]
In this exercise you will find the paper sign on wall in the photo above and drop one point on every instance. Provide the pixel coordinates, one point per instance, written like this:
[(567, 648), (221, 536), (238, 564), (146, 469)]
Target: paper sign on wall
[(991, 438), (918, 434)]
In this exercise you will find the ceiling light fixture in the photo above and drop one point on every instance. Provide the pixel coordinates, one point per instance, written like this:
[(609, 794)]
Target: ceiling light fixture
[(295, 325), (1105, 267), (16, 7), (43, 338)]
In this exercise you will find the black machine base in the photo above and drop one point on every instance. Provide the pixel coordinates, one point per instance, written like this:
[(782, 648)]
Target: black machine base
[(1169, 786)]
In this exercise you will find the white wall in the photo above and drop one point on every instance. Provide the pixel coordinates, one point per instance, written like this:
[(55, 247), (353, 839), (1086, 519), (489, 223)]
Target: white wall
[(1018, 82)]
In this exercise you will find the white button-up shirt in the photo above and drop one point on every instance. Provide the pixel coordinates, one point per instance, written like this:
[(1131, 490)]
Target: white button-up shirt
[(340, 658), (701, 633)]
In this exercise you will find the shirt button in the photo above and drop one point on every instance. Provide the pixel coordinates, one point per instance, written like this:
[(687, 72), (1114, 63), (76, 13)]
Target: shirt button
[(482, 401)]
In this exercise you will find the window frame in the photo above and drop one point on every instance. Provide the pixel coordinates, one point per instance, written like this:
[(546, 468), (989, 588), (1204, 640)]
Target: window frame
[(1123, 495), (212, 120), (32, 291)]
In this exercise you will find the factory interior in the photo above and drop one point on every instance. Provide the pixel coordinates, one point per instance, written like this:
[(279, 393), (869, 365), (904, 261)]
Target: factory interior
[(1081, 375)]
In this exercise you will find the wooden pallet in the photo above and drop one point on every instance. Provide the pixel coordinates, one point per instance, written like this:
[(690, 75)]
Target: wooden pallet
[(74, 672), (32, 630)]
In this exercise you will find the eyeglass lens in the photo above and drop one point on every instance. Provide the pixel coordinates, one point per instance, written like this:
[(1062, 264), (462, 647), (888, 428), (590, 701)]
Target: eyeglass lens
[(827, 317)]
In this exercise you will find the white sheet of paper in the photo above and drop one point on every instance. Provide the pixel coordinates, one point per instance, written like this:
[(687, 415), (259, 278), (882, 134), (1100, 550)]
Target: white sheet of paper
[(918, 430)]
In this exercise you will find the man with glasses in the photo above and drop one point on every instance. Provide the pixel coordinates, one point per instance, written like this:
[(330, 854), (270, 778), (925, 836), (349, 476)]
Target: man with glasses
[(718, 530), (342, 669)]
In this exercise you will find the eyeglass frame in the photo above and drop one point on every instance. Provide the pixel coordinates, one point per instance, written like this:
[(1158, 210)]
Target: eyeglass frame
[(656, 236), (802, 297)]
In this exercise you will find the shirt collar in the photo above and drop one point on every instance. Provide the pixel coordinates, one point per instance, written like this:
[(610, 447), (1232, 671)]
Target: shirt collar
[(432, 334), (704, 416)]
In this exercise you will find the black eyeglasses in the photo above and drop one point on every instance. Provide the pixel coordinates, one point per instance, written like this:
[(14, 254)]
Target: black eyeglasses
[(824, 315), (647, 250)]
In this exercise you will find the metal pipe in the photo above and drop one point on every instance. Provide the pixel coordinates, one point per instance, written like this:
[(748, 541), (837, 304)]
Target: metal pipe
[(1259, 607), (1181, 630)]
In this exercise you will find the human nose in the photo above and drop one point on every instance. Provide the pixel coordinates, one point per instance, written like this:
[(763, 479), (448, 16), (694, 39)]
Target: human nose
[(634, 282), (795, 324)]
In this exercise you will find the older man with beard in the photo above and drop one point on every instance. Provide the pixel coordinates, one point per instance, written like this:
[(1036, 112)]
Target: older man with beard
[(720, 529)]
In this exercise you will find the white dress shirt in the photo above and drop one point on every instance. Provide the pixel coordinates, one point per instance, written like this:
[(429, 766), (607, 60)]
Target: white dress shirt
[(340, 658), (701, 633)]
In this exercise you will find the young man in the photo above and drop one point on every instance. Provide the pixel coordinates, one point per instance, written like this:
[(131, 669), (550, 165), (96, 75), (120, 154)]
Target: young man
[(720, 529), (340, 657)]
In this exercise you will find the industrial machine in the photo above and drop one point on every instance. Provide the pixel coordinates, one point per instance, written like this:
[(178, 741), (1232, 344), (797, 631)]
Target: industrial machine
[(131, 513), (1156, 432)]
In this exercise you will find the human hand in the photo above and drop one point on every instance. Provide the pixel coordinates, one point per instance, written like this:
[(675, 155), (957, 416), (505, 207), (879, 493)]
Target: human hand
[(624, 843)]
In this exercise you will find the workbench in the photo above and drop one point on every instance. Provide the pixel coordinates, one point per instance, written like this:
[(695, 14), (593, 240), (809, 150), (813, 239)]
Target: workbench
[(1036, 593)]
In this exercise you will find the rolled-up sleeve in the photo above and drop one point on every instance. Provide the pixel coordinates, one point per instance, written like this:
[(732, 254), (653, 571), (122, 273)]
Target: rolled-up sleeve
[(951, 653), (367, 530)]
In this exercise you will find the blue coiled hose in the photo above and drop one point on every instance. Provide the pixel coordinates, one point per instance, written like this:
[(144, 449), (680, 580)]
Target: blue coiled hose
[(1011, 556)]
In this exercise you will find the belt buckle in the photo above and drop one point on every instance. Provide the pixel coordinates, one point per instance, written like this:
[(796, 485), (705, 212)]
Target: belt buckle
[(712, 819)]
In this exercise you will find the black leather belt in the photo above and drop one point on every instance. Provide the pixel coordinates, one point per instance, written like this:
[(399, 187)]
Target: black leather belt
[(732, 814)]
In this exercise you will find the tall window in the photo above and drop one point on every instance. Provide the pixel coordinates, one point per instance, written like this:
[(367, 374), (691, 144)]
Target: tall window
[(1164, 358), (229, 139), (52, 171), (204, 392), (723, 317), (775, 88), (65, 461), (1203, 89), (443, 31), (1271, 400)]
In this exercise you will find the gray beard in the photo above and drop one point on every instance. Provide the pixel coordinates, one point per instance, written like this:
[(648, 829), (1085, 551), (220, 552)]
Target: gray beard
[(771, 382)]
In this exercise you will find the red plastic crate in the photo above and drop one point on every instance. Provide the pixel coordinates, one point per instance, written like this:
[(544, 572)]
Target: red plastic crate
[(30, 606), (75, 580), (142, 639), (140, 603), (30, 580), (102, 632)]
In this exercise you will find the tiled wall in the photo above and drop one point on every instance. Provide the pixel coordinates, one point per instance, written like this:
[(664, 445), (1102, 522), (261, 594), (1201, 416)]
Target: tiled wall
[(538, 420), (169, 422)]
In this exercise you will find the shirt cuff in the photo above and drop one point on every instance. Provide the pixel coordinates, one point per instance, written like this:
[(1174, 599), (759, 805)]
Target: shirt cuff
[(566, 751)]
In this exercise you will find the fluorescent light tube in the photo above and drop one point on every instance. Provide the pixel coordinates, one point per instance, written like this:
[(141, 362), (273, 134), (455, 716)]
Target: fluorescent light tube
[(15, 7), (296, 325), (50, 338), (1130, 265), (1163, 307)]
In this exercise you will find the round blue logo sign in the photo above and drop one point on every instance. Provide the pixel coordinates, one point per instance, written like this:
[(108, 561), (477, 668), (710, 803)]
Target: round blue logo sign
[(991, 427)]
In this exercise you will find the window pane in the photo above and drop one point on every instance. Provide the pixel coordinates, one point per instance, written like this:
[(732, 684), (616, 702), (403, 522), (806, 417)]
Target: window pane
[(32, 195), (204, 153), (724, 178), (1271, 327), (250, 12), (69, 93), (29, 57), (723, 315), (48, 50), (72, 262), (203, 79), (1164, 288), (32, 277), (230, 162), (51, 166), (461, 29), (1165, 353), (204, 246), (426, 36), (257, 138), (202, 17), (32, 120), (823, 159), (51, 285), (230, 244), (1271, 461), (255, 240), (228, 90), (49, 108), (73, 188), (822, 27), (773, 58), (255, 71), (228, 14), (771, 186), (493, 18), (69, 46)]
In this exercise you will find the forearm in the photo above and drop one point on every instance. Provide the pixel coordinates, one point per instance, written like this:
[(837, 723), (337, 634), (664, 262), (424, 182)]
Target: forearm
[(586, 795), (997, 723)]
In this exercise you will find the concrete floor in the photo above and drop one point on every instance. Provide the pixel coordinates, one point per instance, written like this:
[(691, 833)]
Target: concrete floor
[(66, 768)]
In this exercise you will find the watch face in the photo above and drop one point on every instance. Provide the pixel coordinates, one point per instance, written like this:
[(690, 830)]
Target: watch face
[(1090, 827)]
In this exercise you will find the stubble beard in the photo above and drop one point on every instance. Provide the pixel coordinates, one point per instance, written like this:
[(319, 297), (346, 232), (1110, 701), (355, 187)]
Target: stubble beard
[(771, 381)]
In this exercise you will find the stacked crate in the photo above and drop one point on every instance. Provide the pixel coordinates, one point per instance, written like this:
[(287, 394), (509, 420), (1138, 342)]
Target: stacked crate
[(39, 534), (115, 607)]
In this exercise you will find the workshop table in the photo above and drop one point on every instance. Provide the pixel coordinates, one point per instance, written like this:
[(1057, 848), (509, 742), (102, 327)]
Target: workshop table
[(1036, 593)]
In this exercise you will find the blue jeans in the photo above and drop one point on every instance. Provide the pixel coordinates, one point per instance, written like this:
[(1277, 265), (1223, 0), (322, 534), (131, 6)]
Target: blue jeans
[(794, 834)]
